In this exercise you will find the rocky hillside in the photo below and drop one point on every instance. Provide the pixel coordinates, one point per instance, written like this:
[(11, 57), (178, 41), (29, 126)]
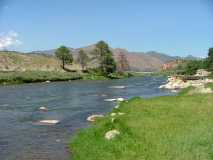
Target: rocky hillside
[(140, 61), (46, 61)]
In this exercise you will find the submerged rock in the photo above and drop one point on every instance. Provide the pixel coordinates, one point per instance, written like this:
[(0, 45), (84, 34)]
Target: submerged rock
[(48, 122), (103, 95), (94, 117), (45, 109), (112, 134), (115, 99), (110, 100), (118, 87), (120, 99)]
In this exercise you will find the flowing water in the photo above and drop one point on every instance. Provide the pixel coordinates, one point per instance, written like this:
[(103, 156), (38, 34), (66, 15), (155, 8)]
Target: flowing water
[(21, 138)]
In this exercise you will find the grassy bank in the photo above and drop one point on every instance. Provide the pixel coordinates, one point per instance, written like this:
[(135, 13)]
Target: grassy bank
[(36, 76), (140, 74), (42, 76), (163, 128), (97, 75)]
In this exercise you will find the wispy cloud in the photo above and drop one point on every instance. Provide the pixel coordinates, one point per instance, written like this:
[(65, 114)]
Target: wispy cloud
[(8, 40)]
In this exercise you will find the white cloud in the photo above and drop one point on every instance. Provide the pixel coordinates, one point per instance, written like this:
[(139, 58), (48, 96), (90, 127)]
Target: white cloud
[(8, 40)]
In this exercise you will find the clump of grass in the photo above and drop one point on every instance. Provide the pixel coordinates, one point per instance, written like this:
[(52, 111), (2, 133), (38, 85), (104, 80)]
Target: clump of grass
[(171, 127)]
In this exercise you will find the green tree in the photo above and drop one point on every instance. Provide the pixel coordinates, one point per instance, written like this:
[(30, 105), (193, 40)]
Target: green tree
[(193, 65), (103, 53), (63, 53), (83, 59), (209, 60), (210, 54), (109, 65)]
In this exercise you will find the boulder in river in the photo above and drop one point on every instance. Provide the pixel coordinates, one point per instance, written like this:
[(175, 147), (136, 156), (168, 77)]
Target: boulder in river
[(118, 87), (112, 134), (115, 99), (110, 100), (44, 109), (120, 99), (94, 117), (48, 122)]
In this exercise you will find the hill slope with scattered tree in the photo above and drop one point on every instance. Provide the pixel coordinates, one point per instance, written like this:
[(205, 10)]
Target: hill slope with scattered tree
[(138, 61)]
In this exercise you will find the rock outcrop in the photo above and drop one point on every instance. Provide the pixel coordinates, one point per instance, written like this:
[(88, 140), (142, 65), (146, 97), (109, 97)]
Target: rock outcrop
[(175, 83)]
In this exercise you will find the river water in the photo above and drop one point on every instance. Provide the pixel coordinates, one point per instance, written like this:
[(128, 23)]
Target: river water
[(21, 138)]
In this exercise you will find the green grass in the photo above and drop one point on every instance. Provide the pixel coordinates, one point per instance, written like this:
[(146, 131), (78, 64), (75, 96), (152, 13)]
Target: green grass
[(97, 75), (94, 76), (36, 76), (163, 128), (42, 76), (141, 74)]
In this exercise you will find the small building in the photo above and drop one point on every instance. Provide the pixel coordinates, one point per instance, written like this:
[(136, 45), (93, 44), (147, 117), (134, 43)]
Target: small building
[(202, 73)]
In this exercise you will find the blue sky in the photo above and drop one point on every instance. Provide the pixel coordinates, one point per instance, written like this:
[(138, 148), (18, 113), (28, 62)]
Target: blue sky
[(175, 27)]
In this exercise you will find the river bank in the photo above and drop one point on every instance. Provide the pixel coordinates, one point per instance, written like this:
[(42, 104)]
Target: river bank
[(176, 83), (22, 138), (169, 127), (7, 78)]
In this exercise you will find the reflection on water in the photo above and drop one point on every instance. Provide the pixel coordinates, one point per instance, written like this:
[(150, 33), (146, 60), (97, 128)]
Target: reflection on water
[(69, 102)]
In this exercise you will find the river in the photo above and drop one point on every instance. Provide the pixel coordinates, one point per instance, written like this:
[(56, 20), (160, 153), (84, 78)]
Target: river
[(70, 102)]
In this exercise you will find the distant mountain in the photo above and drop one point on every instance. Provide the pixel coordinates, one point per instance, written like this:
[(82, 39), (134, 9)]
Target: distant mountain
[(191, 57), (44, 60), (138, 61)]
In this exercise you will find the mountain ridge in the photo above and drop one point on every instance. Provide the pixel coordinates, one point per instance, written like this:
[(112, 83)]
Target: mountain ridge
[(151, 61)]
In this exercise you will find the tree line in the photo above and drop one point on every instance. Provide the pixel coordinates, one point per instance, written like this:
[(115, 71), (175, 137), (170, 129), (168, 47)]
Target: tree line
[(191, 67), (102, 53)]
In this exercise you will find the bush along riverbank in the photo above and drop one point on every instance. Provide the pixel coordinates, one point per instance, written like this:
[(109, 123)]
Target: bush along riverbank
[(162, 128)]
